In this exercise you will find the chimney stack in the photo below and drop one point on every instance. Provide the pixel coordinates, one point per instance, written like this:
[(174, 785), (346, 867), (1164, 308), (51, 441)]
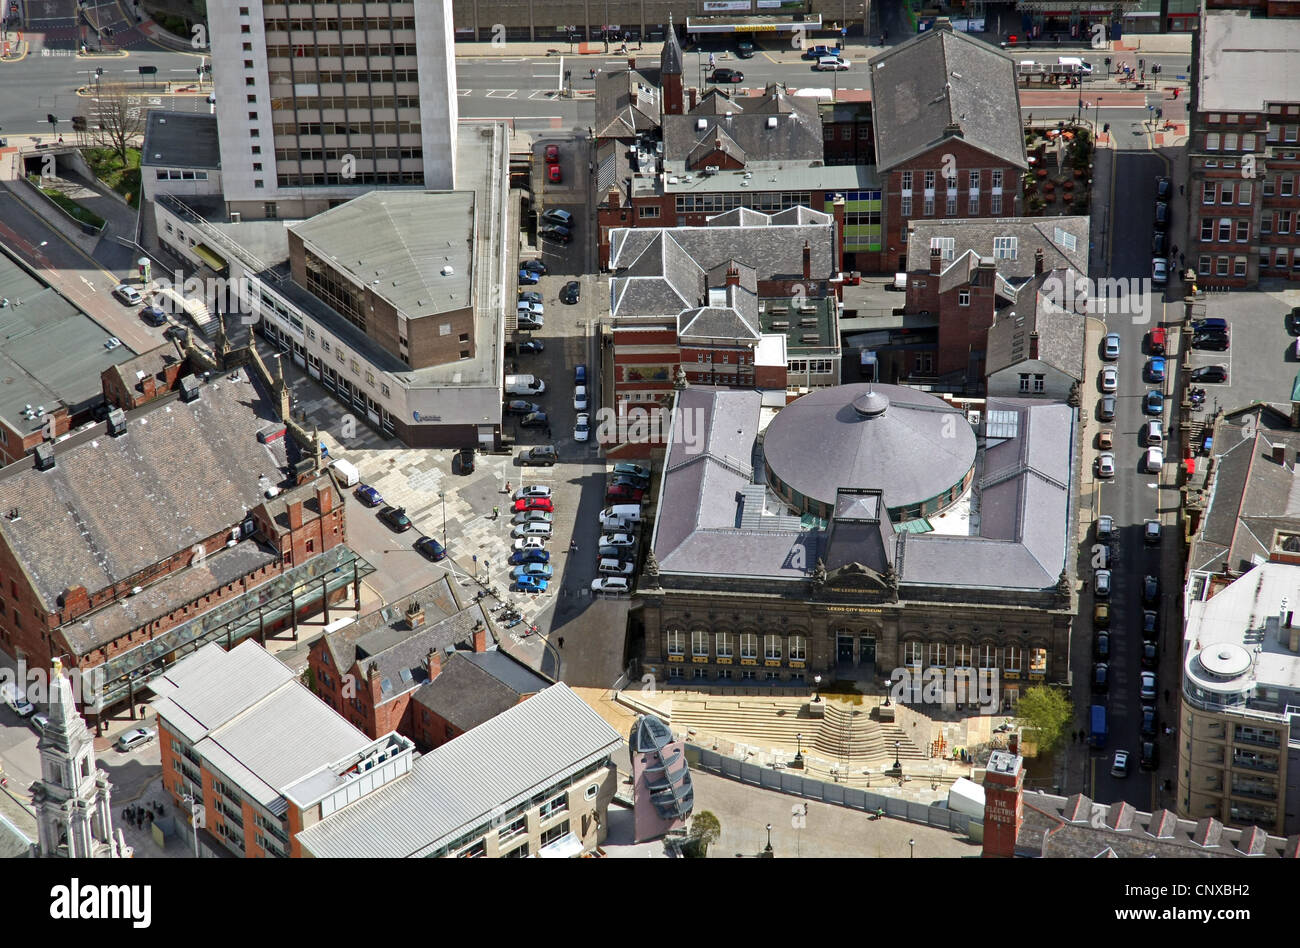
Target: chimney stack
[(324, 496), (1033, 344), (295, 515), (480, 637), (733, 274), (807, 260), (936, 259), (1038, 261), (691, 93), (1004, 780), (433, 663), (414, 614)]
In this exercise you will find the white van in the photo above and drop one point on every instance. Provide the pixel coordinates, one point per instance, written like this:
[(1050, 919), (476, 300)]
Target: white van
[(346, 472), (524, 385), (614, 566), (628, 513), (1075, 64)]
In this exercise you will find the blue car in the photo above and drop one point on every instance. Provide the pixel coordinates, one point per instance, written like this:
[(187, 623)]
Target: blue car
[(431, 548), (580, 374), (520, 557), (533, 570), (530, 584), (1156, 370), (528, 278), (1154, 403), (369, 496)]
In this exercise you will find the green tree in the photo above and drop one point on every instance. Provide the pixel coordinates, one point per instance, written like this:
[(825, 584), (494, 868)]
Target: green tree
[(1045, 710), (705, 829)]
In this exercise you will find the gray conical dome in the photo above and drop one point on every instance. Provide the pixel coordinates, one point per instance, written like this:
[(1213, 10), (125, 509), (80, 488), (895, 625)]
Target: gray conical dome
[(670, 60)]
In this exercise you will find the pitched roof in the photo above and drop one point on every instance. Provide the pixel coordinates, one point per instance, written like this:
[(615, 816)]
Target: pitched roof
[(777, 127), (530, 747), (1060, 332), (627, 103), (941, 85), (1011, 242), (112, 506), (474, 687), (670, 57), (386, 626)]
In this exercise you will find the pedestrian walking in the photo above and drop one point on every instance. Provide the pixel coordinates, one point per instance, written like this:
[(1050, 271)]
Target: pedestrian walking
[(507, 487), (495, 511), (711, 60), (1180, 189), (561, 641)]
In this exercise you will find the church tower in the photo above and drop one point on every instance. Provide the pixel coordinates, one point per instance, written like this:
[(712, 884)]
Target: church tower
[(72, 798), (670, 72)]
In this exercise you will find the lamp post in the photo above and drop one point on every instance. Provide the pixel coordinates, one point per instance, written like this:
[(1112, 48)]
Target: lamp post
[(767, 851), (889, 684), (798, 754), (817, 684), (897, 763), (442, 496), (196, 818), (911, 843)]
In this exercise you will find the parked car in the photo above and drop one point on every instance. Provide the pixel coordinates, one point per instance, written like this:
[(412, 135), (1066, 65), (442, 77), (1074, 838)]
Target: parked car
[(1150, 655), (556, 216), (832, 64), (1106, 439), (1101, 615), (1110, 346), (1164, 189), (112, 342), (1119, 764), (1156, 341), (582, 427), (1150, 625), (542, 454), (1100, 678), (552, 154), (1101, 583), (518, 406), (529, 323), (1153, 460), (396, 518), (623, 495), (1210, 373), (1151, 531), (368, 495), (723, 74), (1209, 324), (39, 723), (618, 539), (532, 490), (1105, 527), (1160, 271), (431, 548), (610, 584), (1160, 245), (532, 309), (1150, 722), (1150, 757), (535, 570), (1110, 379), (1151, 433), (534, 503), (1217, 341), (529, 544), (745, 49), (534, 266), (605, 550), (464, 461), (580, 374), (1155, 370), (580, 398), (635, 470), (528, 277), (1147, 688), (1162, 215), (16, 701), (554, 175), (1150, 590), (535, 419), (1106, 465), (571, 292), (128, 295), (136, 737), (520, 557), (531, 530), (153, 316), (817, 52), (530, 584), (1106, 408), (1154, 403), (533, 516), (1101, 646)]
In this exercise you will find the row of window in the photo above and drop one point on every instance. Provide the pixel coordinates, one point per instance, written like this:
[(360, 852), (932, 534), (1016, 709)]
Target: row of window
[(727, 674), (1279, 222), (950, 206), (811, 366), (1270, 258), (347, 128), (1039, 383), (769, 202), (364, 102), (363, 76), (375, 177), (290, 155), (335, 50), (846, 132), (774, 646), (177, 174), (334, 24), (1222, 192)]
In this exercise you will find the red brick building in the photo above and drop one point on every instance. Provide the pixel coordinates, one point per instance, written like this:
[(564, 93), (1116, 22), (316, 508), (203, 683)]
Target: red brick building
[(134, 542), (423, 666), (949, 144), (149, 375)]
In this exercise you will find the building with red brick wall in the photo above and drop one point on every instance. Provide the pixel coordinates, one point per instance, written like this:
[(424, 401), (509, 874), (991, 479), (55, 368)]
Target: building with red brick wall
[(1243, 189), (948, 134), (424, 666), (148, 376), (133, 542)]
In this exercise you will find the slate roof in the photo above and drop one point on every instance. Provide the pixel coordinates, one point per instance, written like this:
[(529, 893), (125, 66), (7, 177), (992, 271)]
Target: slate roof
[(1052, 235), (670, 57), (180, 140), (1058, 827), (1251, 495), (627, 103), (939, 79), (402, 654), (277, 507), (387, 626), (1060, 332), (410, 237), (796, 135), (482, 773), (474, 687), (147, 364), (112, 506)]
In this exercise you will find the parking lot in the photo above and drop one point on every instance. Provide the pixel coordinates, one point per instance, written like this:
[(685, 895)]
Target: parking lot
[(1261, 358)]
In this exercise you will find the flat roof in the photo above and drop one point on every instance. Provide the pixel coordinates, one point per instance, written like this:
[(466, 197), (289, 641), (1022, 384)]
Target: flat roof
[(180, 140), (769, 176), (1245, 63)]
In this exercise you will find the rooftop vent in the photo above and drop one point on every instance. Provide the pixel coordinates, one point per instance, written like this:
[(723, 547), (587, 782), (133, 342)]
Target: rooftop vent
[(189, 388), (448, 270), (117, 422), (771, 121), (44, 457)]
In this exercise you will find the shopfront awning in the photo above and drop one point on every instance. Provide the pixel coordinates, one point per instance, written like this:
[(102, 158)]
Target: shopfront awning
[(566, 847), (752, 24), (211, 258)]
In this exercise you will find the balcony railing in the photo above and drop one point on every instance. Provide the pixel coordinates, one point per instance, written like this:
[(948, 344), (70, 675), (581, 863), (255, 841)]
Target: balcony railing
[(1257, 739), (1266, 764), (1256, 792)]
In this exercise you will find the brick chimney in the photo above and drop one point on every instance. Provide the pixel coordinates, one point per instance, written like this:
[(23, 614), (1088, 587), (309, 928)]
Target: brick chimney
[(1004, 808), (1033, 344), (373, 683), (480, 637), (691, 93), (936, 259), (433, 663), (1038, 261), (75, 601), (324, 496), (807, 260), (295, 514), (148, 387), (837, 209), (733, 274), (414, 614)]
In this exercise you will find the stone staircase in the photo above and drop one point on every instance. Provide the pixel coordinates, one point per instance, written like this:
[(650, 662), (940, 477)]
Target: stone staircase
[(181, 308), (846, 733)]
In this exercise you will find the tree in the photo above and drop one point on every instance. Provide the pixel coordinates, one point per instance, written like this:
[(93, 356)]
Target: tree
[(705, 829), (121, 118), (1045, 710)]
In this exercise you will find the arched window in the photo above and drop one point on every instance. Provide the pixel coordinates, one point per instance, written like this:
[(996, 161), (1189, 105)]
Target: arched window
[(912, 654), (798, 648)]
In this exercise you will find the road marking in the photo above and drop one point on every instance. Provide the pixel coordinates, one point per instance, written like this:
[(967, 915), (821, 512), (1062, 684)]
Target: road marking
[(464, 91), (502, 93)]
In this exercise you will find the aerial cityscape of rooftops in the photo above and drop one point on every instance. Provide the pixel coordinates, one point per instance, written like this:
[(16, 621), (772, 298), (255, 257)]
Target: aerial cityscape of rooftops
[(793, 429)]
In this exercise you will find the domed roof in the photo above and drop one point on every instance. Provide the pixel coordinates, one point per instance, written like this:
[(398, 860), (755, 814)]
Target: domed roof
[(909, 444), (670, 60)]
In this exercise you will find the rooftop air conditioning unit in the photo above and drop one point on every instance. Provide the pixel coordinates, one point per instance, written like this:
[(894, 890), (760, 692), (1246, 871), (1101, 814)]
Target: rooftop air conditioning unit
[(771, 121), (701, 124)]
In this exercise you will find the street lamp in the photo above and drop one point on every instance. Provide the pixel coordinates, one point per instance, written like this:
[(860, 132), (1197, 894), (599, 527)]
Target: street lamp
[(897, 763), (798, 755), (912, 846), (442, 496), (889, 684), (767, 852), (817, 684), (196, 818)]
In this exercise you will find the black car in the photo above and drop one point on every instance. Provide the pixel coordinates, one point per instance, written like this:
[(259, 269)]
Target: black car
[(1209, 373), (1210, 340), (556, 232), (517, 406), (1150, 625), (745, 49), (1101, 647), (153, 316), (1150, 722), (531, 347), (1162, 216), (1150, 759), (571, 292), (1150, 590), (1164, 188), (431, 548), (396, 518), (727, 75), (535, 419), (533, 266), (614, 551), (1159, 244), (628, 480), (1100, 678), (563, 218), (1150, 656), (464, 461)]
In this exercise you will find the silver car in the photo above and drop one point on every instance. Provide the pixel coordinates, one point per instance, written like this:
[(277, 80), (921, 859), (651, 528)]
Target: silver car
[(1110, 348)]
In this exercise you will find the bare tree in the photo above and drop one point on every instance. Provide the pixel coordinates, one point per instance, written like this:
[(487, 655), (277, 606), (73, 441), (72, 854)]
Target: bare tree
[(121, 118)]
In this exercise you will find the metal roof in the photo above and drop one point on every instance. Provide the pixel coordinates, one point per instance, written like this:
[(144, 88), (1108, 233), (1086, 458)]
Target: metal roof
[(465, 782)]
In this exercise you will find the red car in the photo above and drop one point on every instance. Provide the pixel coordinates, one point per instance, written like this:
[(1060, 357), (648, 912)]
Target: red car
[(553, 172), (1157, 344), (624, 493), (534, 503), (552, 154)]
